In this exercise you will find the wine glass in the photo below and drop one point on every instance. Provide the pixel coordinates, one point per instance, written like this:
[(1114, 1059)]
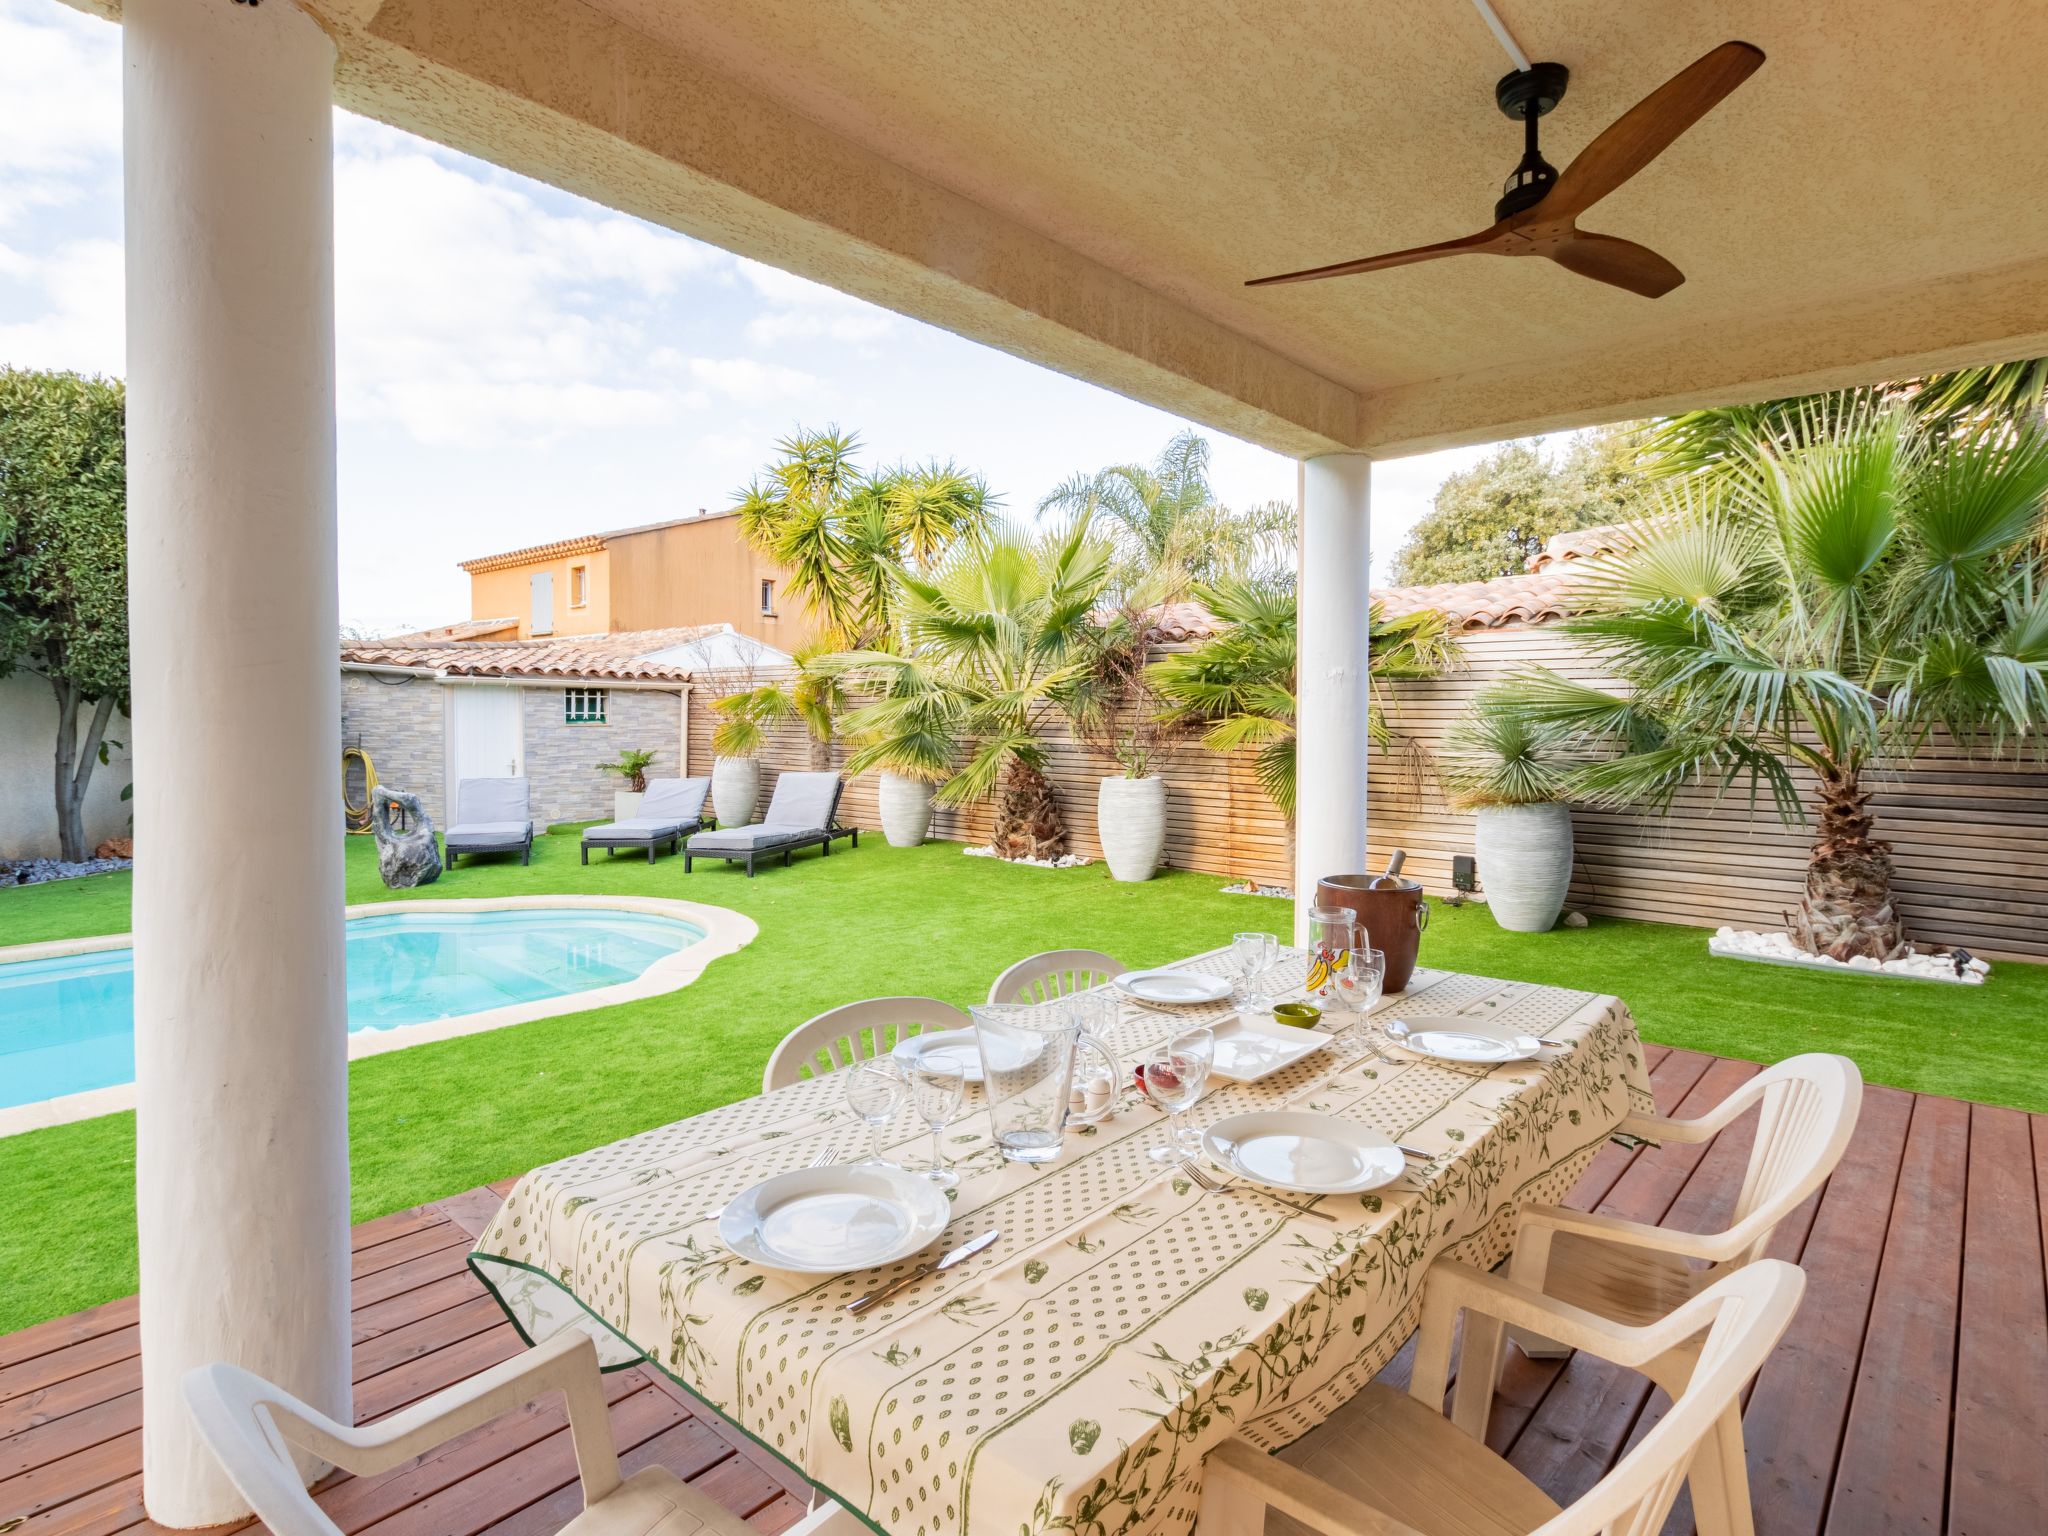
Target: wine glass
[(936, 1089), (1254, 952), (874, 1091), (1175, 1074)]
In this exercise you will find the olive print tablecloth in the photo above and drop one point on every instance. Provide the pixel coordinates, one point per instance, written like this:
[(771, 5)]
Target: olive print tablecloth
[(1071, 1377)]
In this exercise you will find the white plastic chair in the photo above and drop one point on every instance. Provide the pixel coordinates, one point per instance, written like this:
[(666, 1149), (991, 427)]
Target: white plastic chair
[(253, 1428), (1386, 1464), (839, 1037), (1047, 977), (1633, 1273)]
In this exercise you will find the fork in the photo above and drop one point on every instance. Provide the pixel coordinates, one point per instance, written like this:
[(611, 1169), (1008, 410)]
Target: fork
[(1215, 1188), (826, 1156)]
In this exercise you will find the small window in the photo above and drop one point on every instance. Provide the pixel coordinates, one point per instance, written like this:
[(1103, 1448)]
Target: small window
[(768, 597), (583, 706), (579, 585)]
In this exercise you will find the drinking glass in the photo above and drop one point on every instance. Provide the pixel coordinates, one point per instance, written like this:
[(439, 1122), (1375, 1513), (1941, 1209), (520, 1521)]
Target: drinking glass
[(1253, 953), (936, 1089), (1365, 979), (874, 1091), (1175, 1074)]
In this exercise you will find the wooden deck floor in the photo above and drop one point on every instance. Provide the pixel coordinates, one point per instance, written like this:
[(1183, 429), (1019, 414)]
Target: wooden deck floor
[(1910, 1396)]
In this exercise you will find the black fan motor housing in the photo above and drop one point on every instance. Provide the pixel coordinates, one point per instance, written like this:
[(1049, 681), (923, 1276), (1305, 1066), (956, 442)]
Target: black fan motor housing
[(1525, 95)]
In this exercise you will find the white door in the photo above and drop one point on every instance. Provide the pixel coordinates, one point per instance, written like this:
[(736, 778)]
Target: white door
[(484, 736)]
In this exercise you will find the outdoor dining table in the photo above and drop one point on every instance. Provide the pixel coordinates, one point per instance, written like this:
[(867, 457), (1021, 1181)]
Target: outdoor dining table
[(1072, 1376)]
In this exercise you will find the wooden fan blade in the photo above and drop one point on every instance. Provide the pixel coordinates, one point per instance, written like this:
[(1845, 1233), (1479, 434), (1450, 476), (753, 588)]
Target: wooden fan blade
[(1648, 128), (1486, 239), (1623, 263)]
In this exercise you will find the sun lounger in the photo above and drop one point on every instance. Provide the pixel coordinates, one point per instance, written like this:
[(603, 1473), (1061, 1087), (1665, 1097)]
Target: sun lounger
[(801, 814), (491, 816), (669, 811)]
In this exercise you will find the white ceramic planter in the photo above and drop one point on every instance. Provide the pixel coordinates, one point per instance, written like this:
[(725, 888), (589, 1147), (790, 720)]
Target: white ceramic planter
[(1131, 821), (626, 803), (1525, 863), (735, 789), (906, 810)]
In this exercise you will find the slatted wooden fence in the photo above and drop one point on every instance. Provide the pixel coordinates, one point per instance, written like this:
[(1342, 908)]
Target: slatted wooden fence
[(1969, 833)]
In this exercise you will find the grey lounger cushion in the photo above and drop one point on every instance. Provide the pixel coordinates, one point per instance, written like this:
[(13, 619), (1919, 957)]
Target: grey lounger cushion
[(802, 800), (493, 804), (670, 807), (488, 834), (762, 834)]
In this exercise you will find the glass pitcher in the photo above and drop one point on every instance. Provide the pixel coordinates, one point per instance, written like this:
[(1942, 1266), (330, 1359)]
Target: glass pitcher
[(1027, 1067), (1334, 936)]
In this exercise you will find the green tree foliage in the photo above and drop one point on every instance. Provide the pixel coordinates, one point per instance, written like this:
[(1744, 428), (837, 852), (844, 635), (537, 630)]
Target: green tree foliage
[(1488, 520), (64, 564), (1824, 597), (1166, 529), (1239, 683), (839, 530)]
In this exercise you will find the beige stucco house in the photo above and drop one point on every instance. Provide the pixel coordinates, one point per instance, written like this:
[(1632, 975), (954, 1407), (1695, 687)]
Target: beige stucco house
[(690, 570)]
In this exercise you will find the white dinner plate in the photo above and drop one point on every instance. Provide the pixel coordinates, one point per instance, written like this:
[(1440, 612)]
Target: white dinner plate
[(1249, 1049), (955, 1045), (1456, 1039), (1308, 1153), (826, 1221), (1172, 989)]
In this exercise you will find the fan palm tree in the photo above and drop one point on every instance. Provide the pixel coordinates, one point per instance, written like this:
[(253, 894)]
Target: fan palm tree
[(839, 530), (1842, 586), (1240, 681), (1165, 526), (997, 648)]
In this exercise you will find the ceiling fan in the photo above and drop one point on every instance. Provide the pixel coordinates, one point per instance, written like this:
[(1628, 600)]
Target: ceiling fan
[(1539, 208)]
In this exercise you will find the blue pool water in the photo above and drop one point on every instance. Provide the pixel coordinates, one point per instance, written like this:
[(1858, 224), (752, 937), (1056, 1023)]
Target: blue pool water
[(68, 1024)]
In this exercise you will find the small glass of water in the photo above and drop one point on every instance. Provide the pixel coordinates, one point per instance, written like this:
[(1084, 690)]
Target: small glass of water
[(1254, 953), (1175, 1075), (936, 1089), (1364, 979), (875, 1090)]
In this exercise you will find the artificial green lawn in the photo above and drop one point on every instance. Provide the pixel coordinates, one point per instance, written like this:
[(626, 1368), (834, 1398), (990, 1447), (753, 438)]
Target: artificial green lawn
[(435, 1119)]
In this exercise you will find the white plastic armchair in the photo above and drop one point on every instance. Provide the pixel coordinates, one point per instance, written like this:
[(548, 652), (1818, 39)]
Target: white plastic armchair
[(1625, 1270), (253, 1427), (839, 1037), (1055, 974), (1386, 1464)]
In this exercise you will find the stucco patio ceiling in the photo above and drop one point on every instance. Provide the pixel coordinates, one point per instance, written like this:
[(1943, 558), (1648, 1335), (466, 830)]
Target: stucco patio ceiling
[(1089, 185)]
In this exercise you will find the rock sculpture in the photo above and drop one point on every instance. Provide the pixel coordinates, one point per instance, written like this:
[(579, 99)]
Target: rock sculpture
[(408, 858)]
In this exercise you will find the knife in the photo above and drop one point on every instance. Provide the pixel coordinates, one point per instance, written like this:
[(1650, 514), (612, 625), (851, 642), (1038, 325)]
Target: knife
[(966, 1250)]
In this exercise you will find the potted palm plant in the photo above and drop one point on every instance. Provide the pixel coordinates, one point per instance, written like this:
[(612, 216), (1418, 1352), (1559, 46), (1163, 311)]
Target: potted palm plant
[(736, 743), (1117, 713), (1507, 772), (630, 765)]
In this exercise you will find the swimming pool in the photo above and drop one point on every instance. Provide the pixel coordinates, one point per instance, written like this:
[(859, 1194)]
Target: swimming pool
[(67, 1022)]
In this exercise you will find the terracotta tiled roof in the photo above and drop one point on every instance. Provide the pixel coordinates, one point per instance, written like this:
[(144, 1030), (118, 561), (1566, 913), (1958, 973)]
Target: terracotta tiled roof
[(1586, 543), (582, 544), (1470, 605), (602, 658), (462, 629)]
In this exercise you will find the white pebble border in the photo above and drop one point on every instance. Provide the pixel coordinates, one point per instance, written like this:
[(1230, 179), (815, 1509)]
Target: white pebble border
[(1778, 949), (1064, 861), (1244, 889)]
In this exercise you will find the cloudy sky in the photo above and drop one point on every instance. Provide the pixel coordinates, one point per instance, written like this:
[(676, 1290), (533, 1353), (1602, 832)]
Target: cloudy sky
[(519, 365)]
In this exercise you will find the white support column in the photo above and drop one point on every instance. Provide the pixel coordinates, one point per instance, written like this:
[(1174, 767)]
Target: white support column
[(1331, 679), (240, 1030)]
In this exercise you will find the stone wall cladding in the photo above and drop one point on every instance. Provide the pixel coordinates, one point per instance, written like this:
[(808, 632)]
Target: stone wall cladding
[(562, 759), (399, 721)]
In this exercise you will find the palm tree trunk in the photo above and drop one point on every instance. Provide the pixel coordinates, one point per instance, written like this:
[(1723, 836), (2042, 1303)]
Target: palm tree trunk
[(1848, 907), (1028, 820)]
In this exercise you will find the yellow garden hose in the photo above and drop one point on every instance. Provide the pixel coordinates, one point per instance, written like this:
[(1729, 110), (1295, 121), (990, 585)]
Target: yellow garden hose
[(357, 816)]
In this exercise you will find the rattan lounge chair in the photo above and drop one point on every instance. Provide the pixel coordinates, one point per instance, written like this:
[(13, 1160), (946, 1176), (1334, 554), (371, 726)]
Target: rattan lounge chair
[(670, 810), (491, 816), (802, 813)]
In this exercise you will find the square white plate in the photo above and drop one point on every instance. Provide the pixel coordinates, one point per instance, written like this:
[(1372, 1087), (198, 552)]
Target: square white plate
[(1249, 1049)]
